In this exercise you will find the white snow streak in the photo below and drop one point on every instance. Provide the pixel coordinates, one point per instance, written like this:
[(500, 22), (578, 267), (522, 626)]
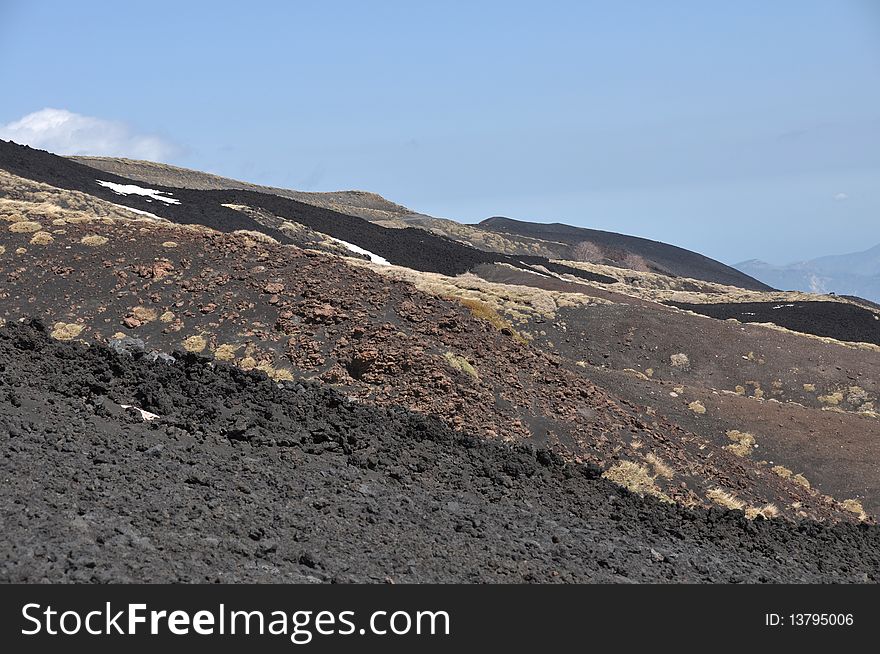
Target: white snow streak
[(375, 258), (146, 415), (132, 189), (138, 211)]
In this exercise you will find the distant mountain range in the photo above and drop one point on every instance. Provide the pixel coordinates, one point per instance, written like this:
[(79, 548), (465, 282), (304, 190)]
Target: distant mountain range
[(845, 274)]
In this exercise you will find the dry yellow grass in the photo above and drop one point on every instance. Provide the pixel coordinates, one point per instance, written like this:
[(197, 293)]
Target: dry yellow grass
[(832, 399), (636, 478), (41, 238), (195, 343), (93, 240), (253, 238), (513, 302), (810, 388), (2, 249), (767, 512), (226, 352), (636, 373), (661, 469), (144, 314), (25, 227), (166, 317), (276, 374), (483, 311), (64, 331), (461, 364), (680, 360), (728, 500), (697, 407), (854, 506), (26, 200), (743, 442), (781, 471), (785, 473), (800, 480), (169, 244)]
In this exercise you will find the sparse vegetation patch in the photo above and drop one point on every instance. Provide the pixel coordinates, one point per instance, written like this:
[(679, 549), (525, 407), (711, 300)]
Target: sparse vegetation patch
[(697, 407), (742, 444), (25, 227), (195, 343), (461, 364), (635, 478), (93, 240), (64, 331)]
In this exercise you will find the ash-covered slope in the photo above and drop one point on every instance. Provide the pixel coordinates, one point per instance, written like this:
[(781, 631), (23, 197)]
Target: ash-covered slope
[(410, 247), (499, 235), (295, 313), (628, 252), (838, 320), (363, 204), (245, 480)]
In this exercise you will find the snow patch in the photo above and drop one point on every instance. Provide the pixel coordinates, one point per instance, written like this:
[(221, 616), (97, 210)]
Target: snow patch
[(375, 258), (133, 189), (783, 306), (138, 211), (526, 269), (146, 415)]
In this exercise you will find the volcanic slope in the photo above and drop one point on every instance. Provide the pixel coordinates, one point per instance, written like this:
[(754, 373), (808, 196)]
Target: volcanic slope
[(366, 205), (845, 448), (410, 247), (624, 251), (842, 321), (245, 480), (295, 313), (494, 235)]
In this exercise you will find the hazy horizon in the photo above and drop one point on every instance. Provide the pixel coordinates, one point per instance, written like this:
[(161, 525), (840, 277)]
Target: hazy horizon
[(747, 131)]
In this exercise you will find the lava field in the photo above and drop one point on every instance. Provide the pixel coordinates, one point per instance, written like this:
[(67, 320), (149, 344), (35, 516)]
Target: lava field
[(245, 479)]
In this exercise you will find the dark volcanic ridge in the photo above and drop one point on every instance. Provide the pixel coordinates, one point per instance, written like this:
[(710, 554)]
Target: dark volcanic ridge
[(625, 251), (839, 320), (242, 479), (410, 247)]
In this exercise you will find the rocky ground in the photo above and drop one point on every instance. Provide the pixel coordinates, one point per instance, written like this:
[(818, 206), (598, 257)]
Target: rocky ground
[(245, 479), (296, 313), (458, 417)]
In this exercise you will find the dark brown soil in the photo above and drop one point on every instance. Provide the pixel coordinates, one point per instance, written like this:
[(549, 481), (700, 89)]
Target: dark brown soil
[(809, 404)]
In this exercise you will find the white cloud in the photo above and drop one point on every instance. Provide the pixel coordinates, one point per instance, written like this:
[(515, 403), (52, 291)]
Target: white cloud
[(64, 132), (840, 197)]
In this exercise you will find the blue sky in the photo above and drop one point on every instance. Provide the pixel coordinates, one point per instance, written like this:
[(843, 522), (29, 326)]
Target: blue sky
[(738, 129)]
